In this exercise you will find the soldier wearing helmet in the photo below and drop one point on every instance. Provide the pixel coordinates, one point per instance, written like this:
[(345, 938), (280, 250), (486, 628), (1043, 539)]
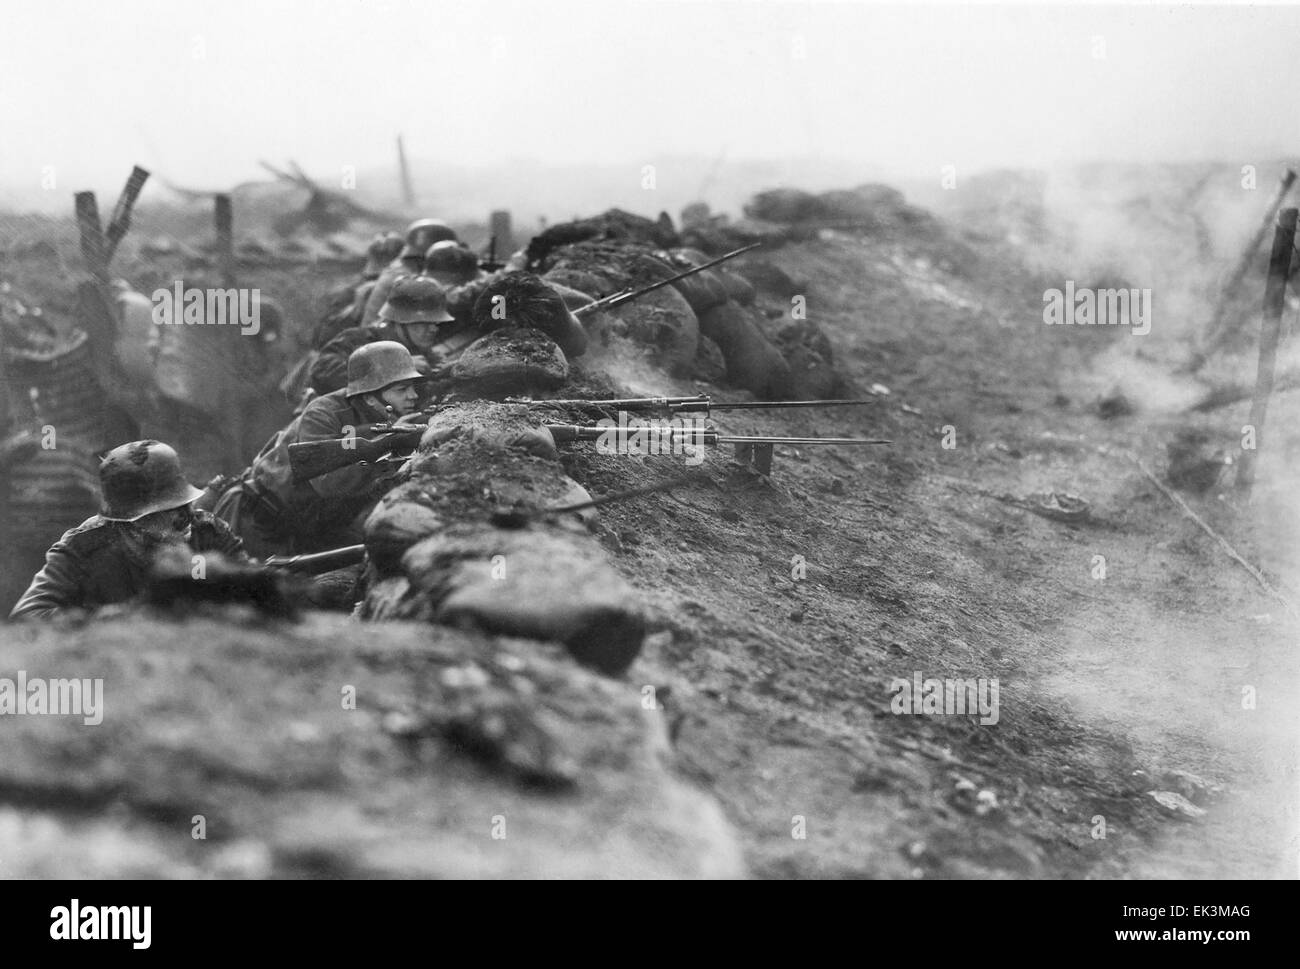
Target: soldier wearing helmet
[(272, 513), (420, 235), (415, 315), (106, 559), (451, 264)]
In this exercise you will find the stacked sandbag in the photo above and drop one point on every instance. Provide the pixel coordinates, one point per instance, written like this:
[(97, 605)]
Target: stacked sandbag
[(612, 226), (511, 360), (752, 362), (461, 543), (662, 321)]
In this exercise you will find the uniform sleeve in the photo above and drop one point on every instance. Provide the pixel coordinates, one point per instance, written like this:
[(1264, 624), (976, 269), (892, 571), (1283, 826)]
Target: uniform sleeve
[(56, 587), (330, 371), (319, 425)]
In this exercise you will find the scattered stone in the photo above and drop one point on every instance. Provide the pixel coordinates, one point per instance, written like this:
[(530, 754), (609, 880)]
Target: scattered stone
[(1177, 805), (1114, 405)]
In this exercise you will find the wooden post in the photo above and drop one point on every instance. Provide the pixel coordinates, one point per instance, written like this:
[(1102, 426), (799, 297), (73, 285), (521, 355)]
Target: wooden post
[(1218, 332), (499, 227), (121, 220), (92, 236), (1279, 268), (408, 190), (225, 240)]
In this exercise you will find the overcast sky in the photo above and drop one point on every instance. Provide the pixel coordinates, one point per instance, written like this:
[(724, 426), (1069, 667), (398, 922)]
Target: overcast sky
[(200, 91)]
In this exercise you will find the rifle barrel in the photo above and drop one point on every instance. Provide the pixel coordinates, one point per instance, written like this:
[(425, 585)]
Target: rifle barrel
[(777, 404), (335, 558), (629, 294)]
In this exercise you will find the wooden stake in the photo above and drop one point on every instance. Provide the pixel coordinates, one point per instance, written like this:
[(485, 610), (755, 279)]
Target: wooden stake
[(1218, 332), (121, 220), (225, 240), (501, 229), (1279, 269), (408, 190), (92, 236)]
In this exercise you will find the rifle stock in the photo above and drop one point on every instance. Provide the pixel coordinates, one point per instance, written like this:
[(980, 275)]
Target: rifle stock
[(311, 459)]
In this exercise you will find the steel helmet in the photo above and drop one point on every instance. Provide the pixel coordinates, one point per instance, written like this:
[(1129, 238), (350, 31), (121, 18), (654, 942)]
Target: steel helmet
[(450, 260), (383, 249), (141, 478), (377, 365), (415, 299), (423, 233)]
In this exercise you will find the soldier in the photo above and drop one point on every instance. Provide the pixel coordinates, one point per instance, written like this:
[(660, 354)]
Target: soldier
[(420, 235), (451, 264), (273, 513), (414, 316), (106, 559), (348, 303)]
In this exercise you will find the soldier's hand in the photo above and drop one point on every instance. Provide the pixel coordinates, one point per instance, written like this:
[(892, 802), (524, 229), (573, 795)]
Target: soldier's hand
[(421, 362)]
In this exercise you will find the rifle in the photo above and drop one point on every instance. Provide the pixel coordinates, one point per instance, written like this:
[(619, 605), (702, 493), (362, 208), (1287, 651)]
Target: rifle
[(490, 264), (629, 294), (566, 433), (700, 404), (311, 459), (753, 451), (317, 562)]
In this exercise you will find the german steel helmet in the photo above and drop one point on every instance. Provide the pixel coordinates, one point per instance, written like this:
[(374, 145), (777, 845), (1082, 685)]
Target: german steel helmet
[(141, 478), (422, 233), (416, 299), (377, 365)]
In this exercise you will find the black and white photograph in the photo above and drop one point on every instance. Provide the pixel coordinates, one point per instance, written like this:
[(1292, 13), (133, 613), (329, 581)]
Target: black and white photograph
[(644, 440)]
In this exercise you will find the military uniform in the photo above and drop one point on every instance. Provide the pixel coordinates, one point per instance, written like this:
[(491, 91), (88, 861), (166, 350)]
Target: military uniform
[(101, 562), (415, 299), (274, 513)]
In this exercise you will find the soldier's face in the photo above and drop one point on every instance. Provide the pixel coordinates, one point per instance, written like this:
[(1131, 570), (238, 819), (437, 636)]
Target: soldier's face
[(422, 335), (400, 397), (169, 523)]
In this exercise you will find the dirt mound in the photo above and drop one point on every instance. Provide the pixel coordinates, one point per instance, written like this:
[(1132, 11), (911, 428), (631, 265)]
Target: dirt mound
[(330, 749), (612, 226), (869, 208)]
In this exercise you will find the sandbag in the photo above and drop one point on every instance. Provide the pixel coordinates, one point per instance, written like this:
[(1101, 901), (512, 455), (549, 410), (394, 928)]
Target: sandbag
[(580, 280), (784, 205), (704, 290), (664, 321), (393, 526), (752, 362), (537, 583), (508, 362), (739, 289)]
